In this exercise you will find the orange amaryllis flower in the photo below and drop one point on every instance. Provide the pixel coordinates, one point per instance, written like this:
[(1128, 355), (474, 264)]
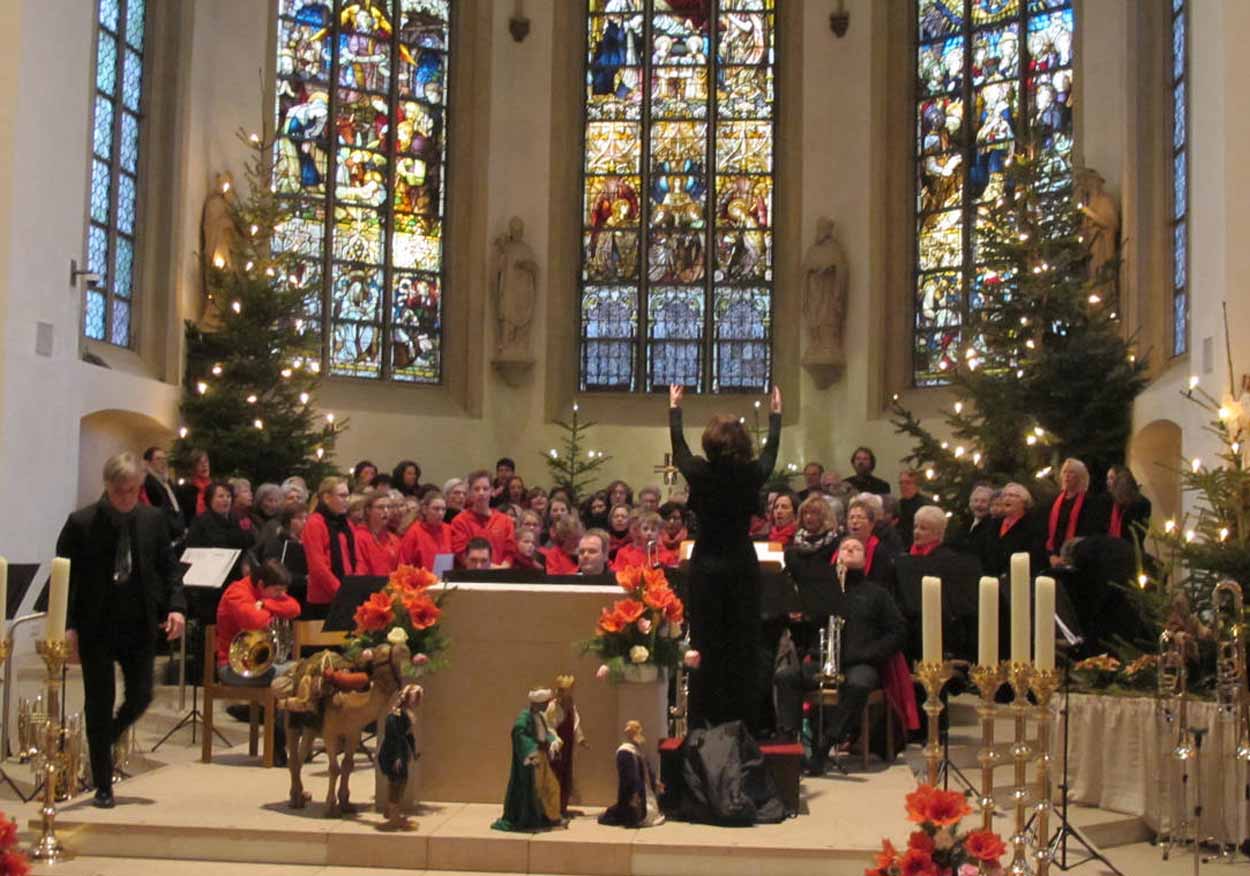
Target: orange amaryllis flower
[(659, 598), (675, 613), (921, 842), (654, 578), (918, 804), (422, 612), (887, 857), (412, 579), (609, 622), (946, 807), (629, 610), (985, 845), (374, 614), (630, 578), (917, 863)]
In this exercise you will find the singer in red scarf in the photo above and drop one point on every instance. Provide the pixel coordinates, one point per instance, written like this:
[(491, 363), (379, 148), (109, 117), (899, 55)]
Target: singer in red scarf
[(1074, 512), (861, 518), (1015, 529), (190, 493), (673, 532), (1130, 510), (785, 521)]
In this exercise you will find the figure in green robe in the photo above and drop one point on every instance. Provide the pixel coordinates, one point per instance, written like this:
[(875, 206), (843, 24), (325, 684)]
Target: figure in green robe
[(533, 798)]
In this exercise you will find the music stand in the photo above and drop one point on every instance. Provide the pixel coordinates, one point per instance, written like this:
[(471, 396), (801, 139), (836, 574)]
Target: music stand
[(352, 593)]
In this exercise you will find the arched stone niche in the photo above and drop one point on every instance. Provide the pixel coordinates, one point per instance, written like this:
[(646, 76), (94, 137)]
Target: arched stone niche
[(1155, 456), (104, 433)]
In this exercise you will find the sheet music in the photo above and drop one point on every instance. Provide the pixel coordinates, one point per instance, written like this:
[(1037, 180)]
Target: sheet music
[(444, 563), (209, 566)]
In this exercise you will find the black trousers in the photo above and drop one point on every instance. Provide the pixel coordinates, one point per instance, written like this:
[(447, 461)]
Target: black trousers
[(725, 628), (135, 651), (842, 720)]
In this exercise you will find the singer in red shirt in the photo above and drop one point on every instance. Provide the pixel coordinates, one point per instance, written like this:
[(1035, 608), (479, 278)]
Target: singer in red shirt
[(479, 520), (428, 536)]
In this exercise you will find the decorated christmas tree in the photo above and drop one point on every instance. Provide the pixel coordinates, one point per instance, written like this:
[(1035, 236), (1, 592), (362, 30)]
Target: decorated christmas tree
[(1043, 371), (574, 466), (252, 366)]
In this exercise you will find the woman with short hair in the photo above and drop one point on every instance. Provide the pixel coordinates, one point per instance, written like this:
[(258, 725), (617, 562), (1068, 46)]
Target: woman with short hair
[(455, 494), (815, 540), (784, 520), (285, 547), (190, 493), (217, 528)]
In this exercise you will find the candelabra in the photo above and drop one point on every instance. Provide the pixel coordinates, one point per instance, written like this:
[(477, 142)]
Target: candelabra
[(1020, 676), (933, 674), (987, 679), (1044, 683), (54, 755)]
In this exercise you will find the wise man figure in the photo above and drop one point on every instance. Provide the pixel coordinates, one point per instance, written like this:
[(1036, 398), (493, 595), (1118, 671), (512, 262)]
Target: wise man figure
[(563, 718), (637, 794), (533, 798)]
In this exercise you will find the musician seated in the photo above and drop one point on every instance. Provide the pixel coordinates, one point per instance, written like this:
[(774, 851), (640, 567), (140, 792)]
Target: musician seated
[(477, 554), (251, 604), (644, 527), (874, 633)]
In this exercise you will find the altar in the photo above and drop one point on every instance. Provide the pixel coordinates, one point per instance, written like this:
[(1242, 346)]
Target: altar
[(507, 638)]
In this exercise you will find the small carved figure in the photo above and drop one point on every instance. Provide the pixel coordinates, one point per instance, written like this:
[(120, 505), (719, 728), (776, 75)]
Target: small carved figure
[(397, 751), (564, 720), (824, 296), (533, 797), (1101, 228), (515, 291), (637, 791)]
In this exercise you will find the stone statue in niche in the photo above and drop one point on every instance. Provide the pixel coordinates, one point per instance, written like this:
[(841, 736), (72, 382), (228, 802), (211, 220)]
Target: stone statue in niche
[(1101, 228), (219, 232), (514, 293), (824, 297)]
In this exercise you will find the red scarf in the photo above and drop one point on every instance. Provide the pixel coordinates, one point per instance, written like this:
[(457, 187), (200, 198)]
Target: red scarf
[(1008, 522), (1116, 520), (918, 551), (201, 484), (673, 543), (1072, 518), (783, 534)]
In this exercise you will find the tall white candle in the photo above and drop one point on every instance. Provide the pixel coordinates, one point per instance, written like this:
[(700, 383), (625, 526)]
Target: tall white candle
[(58, 600), (1044, 624), (987, 651), (1020, 608), (4, 594), (931, 615)]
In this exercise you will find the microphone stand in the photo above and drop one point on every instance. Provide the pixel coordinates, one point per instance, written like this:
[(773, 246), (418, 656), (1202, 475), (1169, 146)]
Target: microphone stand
[(1059, 842)]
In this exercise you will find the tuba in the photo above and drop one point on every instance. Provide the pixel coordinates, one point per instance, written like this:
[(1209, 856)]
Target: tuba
[(254, 652)]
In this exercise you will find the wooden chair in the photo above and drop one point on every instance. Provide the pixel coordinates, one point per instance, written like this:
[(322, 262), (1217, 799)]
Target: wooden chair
[(261, 702), (829, 697)]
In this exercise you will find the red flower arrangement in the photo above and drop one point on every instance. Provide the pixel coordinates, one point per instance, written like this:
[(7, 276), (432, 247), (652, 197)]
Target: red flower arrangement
[(402, 611), (937, 848), (13, 862), (644, 628)]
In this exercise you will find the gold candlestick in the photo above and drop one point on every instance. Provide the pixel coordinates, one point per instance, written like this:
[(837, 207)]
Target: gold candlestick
[(1043, 684), (933, 674), (1019, 675), (55, 653), (987, 679)]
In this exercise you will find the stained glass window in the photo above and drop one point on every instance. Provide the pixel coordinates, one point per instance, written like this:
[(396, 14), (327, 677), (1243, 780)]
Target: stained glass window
[(113, 207), (360, 161), (1180, 178), (677, 199), (987, 72)]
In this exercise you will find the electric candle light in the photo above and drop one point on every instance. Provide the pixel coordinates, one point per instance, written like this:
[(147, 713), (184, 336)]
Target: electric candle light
[(1044, 625), (1020, 608), (987, 618), (931, 613), (58, 600)]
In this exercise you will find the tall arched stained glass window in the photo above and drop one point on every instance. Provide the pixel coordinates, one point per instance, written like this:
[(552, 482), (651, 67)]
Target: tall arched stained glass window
[(1180, 179), (677, 202), (113, 211), (987, 73), (360, 156)]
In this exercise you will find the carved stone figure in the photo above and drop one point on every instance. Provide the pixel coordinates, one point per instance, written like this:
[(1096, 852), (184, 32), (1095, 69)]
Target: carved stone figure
[(1101, 228), (219, 233), (824, 297), (514, 293)]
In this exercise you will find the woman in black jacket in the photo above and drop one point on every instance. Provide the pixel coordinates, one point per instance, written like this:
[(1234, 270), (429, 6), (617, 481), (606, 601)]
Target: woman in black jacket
[(216, 528), (285, 547), (724, 576)]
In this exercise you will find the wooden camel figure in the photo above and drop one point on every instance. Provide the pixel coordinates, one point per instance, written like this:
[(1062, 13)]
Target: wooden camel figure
[(338, 717)]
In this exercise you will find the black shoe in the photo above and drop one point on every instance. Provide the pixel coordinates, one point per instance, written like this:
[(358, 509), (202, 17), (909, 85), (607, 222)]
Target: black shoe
[(103, 799)]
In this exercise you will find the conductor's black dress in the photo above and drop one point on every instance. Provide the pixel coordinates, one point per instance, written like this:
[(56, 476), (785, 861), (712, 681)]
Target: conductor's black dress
[(724, 579)]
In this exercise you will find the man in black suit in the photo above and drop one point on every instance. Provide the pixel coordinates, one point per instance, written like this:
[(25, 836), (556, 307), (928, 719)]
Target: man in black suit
[(976, 537), (125, 586), (158, 489), (864, 461)]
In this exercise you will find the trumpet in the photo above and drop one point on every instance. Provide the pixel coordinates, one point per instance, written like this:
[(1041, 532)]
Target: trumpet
[(1232, 697), (1172, 712), (831, 650), (679, 712), (254, 652)]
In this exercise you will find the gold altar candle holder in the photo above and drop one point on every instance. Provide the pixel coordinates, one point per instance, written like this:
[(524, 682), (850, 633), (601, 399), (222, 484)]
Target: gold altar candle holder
[(933, 674), (1043, 684), (1020, 676), (55, 654), (987, 679)]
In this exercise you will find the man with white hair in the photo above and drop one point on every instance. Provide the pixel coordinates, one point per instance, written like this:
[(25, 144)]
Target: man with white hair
[(125, 588), (1074, 512), (973, 538)]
